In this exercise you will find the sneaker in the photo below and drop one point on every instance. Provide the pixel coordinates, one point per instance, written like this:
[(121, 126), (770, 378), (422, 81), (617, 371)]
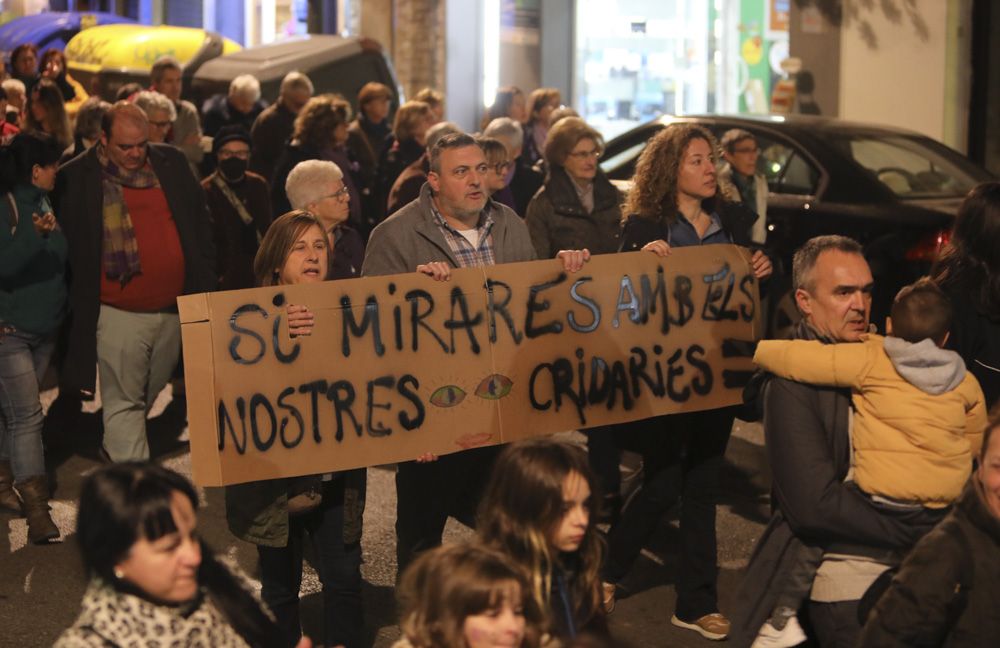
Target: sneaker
[(771, 637), (712, 626), (608, 592)]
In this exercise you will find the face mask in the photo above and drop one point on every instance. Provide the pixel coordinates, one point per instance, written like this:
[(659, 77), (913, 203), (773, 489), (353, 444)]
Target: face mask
[(233, 169)]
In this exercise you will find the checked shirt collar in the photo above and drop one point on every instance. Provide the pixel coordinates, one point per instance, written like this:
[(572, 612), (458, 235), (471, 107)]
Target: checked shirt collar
[(465, 254)]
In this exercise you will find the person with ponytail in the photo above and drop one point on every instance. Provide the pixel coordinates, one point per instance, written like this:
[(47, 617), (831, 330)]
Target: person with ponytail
[(153, 580), (32, 305), (539, 510)]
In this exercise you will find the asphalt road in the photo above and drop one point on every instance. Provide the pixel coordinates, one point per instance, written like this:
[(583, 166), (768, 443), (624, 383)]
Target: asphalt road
[(41, 586)]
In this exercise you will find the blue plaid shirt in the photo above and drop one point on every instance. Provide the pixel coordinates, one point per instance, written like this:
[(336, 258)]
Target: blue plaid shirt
[(465, 254)]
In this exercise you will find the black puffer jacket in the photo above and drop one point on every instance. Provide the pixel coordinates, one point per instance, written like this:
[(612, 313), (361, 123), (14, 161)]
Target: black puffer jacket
[(947, 592), (976, 337), (558, 221)]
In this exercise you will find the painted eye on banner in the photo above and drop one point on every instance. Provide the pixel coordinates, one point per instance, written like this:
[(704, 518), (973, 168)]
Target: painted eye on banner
[(494, 387), (447, 396)]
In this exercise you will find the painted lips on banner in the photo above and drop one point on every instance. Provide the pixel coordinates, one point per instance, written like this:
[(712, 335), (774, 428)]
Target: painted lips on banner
[(399, 366)]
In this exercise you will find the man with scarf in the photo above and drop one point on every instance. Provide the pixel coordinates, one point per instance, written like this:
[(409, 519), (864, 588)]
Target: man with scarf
[(240, 206), (139, 236)]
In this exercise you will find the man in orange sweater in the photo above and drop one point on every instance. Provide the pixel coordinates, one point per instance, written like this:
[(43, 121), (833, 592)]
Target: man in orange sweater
[(139, 236)]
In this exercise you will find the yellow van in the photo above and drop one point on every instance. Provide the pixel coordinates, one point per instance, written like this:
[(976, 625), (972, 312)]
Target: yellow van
[(106, 57)]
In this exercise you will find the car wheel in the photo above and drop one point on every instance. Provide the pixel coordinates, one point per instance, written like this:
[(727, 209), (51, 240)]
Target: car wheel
[(784, 317)]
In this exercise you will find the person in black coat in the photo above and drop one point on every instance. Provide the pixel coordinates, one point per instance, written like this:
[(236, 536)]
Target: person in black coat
[(139, 236), (675, 202), (968, 270), (947, 589)]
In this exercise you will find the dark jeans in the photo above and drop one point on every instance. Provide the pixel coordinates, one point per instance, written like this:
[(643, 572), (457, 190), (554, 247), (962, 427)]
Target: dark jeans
[(604, 456), (338, 566), (682, 456), (24, 358), (835, 625), (427, 493)]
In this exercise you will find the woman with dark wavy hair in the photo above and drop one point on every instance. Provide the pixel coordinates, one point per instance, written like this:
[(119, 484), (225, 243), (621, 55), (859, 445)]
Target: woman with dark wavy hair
[(540, 511), (676, 202), (968, 270), (46, 113), (153, 581)]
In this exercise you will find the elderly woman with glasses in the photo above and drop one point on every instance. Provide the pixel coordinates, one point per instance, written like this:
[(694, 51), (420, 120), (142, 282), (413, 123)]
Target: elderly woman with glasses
[(159, 111), (577, 207)]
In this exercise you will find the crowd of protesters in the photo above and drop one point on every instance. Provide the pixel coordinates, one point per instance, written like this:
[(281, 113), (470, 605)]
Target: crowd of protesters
[(110, 211)]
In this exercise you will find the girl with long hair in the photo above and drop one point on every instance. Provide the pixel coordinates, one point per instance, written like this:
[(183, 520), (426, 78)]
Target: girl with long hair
[(539, 510), (466, 596), (46, 112)]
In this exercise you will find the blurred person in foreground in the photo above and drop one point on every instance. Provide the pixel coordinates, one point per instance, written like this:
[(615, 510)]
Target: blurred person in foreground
[(467, 596), (282, 516), (32, 306), (275, 124), (153, 580), (945, 592), (139, 236), (240, 207)]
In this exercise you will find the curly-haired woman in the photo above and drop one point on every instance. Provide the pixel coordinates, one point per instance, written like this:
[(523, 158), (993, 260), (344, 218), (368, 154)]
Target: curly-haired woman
[(675, 202)]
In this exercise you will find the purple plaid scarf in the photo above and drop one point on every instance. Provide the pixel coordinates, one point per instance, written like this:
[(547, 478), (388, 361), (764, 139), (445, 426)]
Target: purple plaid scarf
[(120, 250)]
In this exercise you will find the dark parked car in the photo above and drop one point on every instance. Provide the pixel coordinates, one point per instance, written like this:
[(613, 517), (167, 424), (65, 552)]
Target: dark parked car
[(893, 190), (333, 63)]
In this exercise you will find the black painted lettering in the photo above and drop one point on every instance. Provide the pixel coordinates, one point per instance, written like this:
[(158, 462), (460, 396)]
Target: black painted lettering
[(341, 394), (702, 384), (351, 326), (637, 374), (746, 287), (674, 373), (536, 306), (500, 307), (263, 444), (407, 387), (417, 317), (464, 321), (283, 358), (538, 405), (294, 413), (226, 424), (619, 384), (314, 389), (650, 295), (562, 385), (241, 331), (376, 429), (720, 291), (682, 297)]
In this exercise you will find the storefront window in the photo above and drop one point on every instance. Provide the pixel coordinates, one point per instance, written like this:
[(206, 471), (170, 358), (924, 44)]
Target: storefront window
[(637, 59)]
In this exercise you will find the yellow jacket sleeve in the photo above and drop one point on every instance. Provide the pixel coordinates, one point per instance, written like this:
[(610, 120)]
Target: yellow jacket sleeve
[(837, 365), (975, 415)]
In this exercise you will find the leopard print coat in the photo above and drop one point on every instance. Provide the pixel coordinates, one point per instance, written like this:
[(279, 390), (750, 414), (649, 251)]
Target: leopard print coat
[(110, 618)]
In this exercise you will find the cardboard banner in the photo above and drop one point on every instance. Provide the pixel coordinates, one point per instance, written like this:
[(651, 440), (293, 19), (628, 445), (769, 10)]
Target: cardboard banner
[(403, 365)]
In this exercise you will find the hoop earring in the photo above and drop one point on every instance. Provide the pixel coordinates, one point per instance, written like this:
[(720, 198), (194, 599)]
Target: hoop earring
[(119, 574)]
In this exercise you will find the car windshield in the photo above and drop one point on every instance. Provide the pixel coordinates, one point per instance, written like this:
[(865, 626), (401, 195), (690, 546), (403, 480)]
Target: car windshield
[(910, 168)]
